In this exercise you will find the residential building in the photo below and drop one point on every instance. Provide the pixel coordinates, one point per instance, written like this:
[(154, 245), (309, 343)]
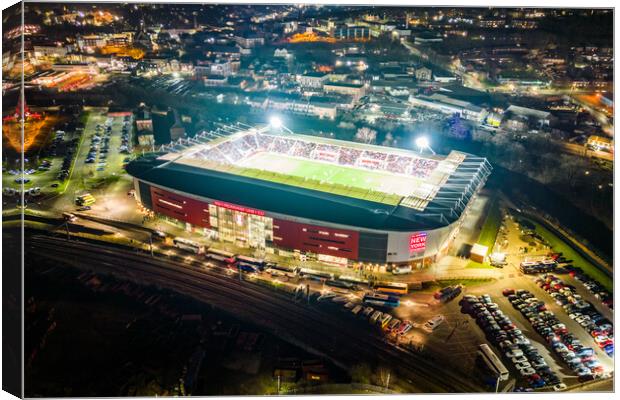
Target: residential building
[(312, 80), (423, 74), (350, 89), (449, 106), (352, 33)]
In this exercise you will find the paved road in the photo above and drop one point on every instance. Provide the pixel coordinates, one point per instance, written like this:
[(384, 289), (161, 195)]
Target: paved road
[(344, 342)]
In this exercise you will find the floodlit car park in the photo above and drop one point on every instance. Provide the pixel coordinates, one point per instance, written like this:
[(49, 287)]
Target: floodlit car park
[(513, 345), (108, 140), (570, 350), (581, 312)]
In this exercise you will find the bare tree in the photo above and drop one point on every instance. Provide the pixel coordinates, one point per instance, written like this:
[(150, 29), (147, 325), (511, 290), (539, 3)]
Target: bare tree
[(366, 135), (389, 140), (384, 375)]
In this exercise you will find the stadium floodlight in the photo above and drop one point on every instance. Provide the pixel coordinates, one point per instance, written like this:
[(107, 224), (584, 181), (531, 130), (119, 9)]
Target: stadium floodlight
[(276, 123), (423, 143)]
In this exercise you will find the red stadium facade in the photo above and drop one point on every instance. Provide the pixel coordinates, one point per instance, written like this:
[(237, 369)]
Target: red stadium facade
[(340, 243), (330, 243)]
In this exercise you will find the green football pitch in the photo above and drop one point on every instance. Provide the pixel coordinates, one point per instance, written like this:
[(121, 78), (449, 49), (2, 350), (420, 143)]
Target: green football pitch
[(330, 174)]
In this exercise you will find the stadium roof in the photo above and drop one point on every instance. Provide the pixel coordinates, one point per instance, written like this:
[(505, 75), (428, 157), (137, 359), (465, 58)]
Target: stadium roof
[(280, 193)]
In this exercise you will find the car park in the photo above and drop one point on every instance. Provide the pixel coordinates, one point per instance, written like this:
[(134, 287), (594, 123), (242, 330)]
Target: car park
[(511, 341), (564, 344)]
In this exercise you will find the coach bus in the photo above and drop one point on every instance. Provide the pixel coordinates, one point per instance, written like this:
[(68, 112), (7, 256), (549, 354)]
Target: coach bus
[(392, 287), (221, 255), (493, 362), (252, 261), (352, 279), (528, 267), (276, 269), (85, 200), (317, 275), (188, 245), (381, 300), (341, 284)]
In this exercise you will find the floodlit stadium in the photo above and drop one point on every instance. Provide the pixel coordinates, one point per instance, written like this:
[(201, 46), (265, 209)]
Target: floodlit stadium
[(332, 200)]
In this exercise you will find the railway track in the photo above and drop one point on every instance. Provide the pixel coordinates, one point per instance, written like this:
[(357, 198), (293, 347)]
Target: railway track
[(343, 343)]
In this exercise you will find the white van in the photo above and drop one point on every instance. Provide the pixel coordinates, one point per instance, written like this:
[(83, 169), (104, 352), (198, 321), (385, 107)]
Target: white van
[(434, 322), (405, 269)]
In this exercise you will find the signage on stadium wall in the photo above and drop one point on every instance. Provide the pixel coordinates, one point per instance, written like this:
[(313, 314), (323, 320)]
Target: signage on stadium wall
[(417, 242), (235, 207), (120, 114)]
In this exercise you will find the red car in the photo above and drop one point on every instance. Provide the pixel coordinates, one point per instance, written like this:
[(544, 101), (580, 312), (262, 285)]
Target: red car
[(510, 327), (508, 292), (533, 377), (598, 370)]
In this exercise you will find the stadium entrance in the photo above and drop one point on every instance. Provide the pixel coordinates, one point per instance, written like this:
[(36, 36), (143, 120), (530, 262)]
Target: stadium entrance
[(240, 226)]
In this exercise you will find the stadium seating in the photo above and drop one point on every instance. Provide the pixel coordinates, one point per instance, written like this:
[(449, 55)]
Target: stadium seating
[(236, 149)]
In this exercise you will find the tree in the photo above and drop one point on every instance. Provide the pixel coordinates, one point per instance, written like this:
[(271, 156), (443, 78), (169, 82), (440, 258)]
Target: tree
[(458, 128), (366, 135), (361, 373), (384, 376), (389, 140)]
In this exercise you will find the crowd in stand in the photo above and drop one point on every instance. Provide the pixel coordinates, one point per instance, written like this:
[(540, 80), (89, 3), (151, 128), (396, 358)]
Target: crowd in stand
[(235, 150)]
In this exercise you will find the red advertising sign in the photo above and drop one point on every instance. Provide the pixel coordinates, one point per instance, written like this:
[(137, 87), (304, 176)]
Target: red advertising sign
[(417, 242), (239, 208)]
